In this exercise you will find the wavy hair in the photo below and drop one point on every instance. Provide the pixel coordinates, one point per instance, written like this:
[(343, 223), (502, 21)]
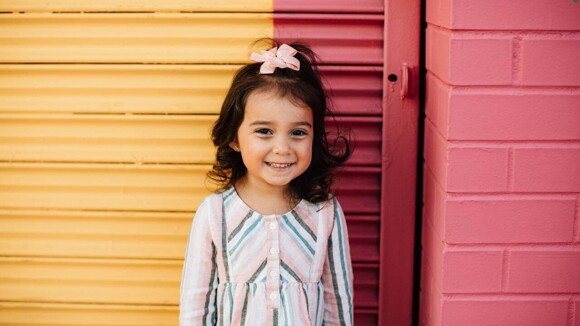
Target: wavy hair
[(301, 87)]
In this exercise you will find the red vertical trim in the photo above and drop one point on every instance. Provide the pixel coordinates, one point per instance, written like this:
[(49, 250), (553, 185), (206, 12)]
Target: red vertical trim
[(399, 157)]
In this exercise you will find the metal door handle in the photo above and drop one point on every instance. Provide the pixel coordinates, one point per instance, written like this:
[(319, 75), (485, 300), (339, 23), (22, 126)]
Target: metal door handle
[(405, 80)]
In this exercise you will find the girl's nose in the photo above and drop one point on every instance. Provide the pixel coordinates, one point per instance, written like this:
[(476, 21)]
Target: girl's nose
[(281, 147)]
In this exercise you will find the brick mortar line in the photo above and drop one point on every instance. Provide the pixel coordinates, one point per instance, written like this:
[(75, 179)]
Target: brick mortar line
[(510, 169), (507, 296), (517, 62), (505, 266), (576, 226), (517, 247), (505, 32), (511, 89)]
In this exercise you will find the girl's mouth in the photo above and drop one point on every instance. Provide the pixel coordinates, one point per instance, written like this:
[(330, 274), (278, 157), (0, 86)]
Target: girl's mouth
[(279, 165)]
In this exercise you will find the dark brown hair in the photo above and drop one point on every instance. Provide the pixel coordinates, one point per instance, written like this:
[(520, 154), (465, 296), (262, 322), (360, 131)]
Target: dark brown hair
[(302, 87)]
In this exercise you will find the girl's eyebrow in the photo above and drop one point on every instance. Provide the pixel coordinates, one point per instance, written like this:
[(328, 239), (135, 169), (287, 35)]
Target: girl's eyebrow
[(297, 123)]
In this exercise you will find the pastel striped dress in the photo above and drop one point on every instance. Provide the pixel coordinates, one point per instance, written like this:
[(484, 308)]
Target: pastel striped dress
[(246, 268)]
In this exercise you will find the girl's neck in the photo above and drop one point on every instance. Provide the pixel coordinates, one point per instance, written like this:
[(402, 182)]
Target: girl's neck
[(265, 200)]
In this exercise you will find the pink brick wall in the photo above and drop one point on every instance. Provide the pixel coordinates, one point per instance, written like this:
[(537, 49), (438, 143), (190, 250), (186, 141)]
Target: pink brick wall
[(501, 213)]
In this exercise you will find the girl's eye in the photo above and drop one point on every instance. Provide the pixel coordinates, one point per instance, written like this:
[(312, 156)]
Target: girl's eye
[(299, 132), (263, 131)]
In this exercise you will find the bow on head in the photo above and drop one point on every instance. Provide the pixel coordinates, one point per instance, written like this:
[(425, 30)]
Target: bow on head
[(282, 57)]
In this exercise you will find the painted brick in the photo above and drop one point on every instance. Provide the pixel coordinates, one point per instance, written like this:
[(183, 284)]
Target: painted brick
[(434, 203), (477, 169), (485, 60), (544, 271), (438, 12), (502, 220), (433, 253), (438, 43), (469, 59), (437, 102), (546, 169), (430, 299), (505, 312), (562, 68), (435, 154), (472, 271), (505, 115), (515, 14)]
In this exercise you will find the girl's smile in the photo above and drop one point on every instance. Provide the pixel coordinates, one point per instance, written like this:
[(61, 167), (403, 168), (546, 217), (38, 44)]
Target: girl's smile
[(275, 140)]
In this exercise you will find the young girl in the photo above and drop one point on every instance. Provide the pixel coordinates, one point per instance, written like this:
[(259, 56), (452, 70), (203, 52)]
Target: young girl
[(271, 247)]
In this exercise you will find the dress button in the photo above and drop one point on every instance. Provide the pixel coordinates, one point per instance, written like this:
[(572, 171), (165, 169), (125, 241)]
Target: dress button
[(273, 251), (273, 296), (273, 273), (272, 226)]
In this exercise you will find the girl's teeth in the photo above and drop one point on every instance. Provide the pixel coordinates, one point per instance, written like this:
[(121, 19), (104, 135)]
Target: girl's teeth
[(276, 165)]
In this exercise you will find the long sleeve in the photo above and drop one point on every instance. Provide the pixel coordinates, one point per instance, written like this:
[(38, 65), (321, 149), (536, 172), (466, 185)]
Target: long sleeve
[(337, 274), (197, 305)]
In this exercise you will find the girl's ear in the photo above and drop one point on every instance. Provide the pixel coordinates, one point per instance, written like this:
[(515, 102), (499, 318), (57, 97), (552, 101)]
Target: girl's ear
[(234, 146)]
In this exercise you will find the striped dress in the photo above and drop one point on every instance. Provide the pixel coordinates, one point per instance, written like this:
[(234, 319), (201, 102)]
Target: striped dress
[(246, 268)]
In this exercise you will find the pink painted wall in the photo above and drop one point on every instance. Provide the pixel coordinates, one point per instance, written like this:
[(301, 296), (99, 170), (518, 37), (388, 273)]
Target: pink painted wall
[(501, 214)]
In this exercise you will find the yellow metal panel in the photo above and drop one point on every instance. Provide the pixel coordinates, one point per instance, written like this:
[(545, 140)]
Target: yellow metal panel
[(51, 314), (131, 38), (94, 234), (119, 88), (103, 186), (137, 5), (106, 138), (104, 151), (119, 281)]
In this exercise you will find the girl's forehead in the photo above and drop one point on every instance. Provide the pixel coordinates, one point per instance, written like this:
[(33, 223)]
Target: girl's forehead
[(269, 105)]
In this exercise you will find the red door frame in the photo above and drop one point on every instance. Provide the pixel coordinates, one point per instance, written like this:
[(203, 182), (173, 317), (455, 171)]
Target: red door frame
[(399, 160)]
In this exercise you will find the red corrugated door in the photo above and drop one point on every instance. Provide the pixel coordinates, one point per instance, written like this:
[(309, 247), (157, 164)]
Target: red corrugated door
[(370, 54)]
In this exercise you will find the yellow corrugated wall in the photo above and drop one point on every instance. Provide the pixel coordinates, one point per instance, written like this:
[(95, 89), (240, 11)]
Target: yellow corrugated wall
[(105, 112)]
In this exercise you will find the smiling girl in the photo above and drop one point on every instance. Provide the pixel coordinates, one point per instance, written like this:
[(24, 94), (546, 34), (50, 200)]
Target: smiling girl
[(271, 247)]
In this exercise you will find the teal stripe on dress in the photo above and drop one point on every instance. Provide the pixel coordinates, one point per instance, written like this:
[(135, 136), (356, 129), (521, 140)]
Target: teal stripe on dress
[(228, 193), (306, 297), (211, 281), (240, 226), (342, 259), (275, 317), (246, 233), (287, 308), (290, 271), (304, 225), (290, 233), (224, 242), (319, 298), (285, 218), (231, 300)]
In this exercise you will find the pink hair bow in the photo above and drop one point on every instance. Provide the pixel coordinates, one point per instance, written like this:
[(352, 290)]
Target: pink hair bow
[(282, 57)]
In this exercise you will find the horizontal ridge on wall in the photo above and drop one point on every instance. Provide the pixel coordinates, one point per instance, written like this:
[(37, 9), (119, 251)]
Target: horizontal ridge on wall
[(336, 39), (138, 6), (137, 235), (161, 89), (140, 138), (363, 6), (12, 313), (120, 281), (146, 187), (183, 38)]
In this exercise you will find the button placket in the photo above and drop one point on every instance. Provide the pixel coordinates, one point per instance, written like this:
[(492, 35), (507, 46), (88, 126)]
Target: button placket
[(273, 263)]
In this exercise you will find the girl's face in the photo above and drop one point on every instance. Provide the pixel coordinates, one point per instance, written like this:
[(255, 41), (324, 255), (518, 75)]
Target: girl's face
[(275, 140)]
